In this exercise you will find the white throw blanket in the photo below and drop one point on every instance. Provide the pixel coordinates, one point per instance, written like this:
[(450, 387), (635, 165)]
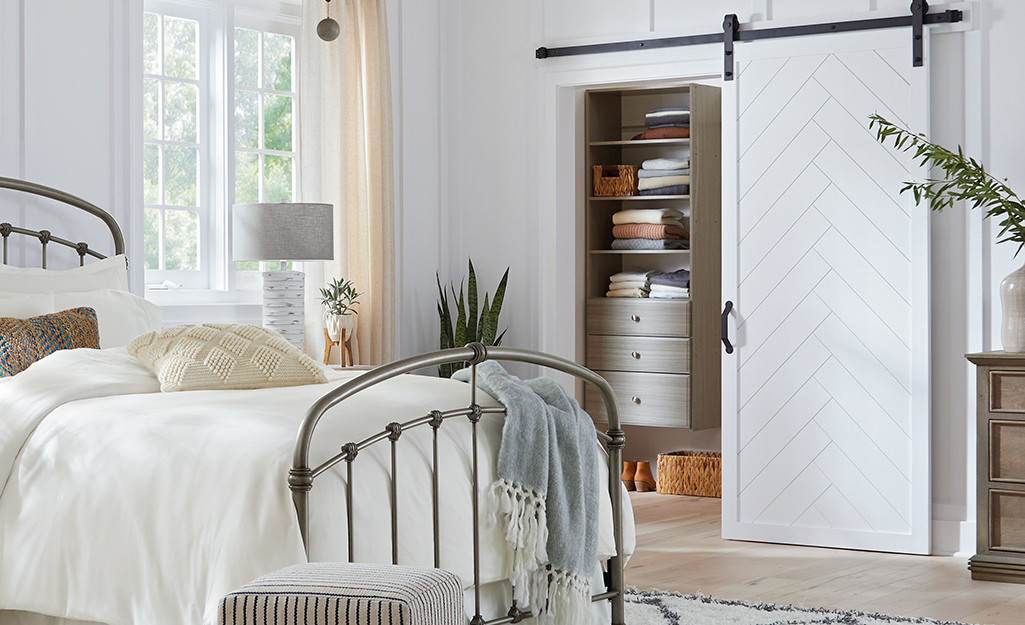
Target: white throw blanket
[(546, 496)]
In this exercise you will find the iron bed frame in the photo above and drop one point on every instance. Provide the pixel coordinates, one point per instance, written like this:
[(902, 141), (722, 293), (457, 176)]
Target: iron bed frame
[(302, 475)]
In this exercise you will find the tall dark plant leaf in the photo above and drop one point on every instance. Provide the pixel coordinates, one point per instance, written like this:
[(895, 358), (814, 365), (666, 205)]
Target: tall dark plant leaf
[(471, 305)]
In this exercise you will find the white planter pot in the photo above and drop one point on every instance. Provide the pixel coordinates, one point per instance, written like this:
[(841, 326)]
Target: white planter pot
[(1012, 300), (340, 327)]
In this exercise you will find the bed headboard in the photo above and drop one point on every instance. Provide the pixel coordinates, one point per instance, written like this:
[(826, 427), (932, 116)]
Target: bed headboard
[(44, 236)]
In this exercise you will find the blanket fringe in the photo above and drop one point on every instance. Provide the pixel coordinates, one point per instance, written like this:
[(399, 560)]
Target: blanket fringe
[(568, 598), (520, 513)]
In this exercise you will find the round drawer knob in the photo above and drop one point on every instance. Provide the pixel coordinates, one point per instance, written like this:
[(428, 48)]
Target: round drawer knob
[(636, 354), (635, 399), (635, 318)]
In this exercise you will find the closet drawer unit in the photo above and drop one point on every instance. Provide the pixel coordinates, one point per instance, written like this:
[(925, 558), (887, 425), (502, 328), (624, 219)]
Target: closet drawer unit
[(644, 398), (638, 317), (638, 354)]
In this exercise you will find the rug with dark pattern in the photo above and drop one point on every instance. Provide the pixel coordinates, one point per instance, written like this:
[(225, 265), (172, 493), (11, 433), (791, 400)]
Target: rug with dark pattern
[(667, 608)]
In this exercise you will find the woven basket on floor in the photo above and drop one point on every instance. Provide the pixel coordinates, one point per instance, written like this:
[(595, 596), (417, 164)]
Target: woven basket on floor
[(690, 473), (615, 180)]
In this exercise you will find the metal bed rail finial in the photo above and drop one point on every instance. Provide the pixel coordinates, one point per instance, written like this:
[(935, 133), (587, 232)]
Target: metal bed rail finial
[(302, 475)]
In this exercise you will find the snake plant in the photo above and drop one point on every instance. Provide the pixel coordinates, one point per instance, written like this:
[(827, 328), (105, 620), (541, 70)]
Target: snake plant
[(467, 326)]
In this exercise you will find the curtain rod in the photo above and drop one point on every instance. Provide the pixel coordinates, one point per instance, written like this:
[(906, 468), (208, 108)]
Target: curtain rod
[(731, 33)]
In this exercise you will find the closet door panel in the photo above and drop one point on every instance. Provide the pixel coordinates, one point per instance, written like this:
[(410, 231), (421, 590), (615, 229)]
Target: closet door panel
[(825, 398)]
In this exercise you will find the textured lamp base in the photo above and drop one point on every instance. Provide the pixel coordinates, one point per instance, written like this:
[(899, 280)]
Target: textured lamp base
[(283, 303)]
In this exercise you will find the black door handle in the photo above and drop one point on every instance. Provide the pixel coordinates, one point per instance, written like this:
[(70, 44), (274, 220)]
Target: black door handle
[(726, 328)]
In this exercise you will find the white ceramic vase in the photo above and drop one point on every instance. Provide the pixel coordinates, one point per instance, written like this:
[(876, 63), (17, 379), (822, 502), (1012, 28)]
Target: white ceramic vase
[(339, 327), (1012, 300)]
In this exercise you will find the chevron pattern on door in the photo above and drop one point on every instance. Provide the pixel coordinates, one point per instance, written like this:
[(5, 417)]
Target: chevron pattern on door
[(824, 366)]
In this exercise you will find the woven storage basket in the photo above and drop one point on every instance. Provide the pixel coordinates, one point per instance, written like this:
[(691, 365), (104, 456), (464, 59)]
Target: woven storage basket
[(690, 473), (615, 180)]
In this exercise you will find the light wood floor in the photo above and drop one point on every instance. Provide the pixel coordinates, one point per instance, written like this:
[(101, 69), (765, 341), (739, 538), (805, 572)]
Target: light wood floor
[(679, 548)]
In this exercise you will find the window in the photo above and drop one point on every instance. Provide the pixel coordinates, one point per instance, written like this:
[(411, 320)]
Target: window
[(264, 108), (219, 113)]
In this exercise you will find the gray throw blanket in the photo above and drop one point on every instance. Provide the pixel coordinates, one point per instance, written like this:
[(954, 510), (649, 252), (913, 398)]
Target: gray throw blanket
[(546, 496)]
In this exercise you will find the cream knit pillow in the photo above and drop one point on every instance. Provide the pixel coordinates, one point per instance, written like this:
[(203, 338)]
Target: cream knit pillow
[(216, 356)]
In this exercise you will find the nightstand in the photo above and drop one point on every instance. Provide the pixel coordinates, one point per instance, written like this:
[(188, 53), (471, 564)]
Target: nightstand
[(1000, 467)]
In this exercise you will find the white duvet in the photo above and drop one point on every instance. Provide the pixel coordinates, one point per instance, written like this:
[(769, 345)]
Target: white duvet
[(123, 505)]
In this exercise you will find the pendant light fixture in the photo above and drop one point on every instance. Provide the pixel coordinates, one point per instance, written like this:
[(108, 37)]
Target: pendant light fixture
[(327, 28)]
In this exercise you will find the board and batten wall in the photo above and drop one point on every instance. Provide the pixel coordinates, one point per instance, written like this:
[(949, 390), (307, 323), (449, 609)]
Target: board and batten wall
[(472, 143)]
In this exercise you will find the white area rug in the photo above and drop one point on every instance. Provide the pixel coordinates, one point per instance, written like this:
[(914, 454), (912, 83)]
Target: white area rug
[(666, 608)]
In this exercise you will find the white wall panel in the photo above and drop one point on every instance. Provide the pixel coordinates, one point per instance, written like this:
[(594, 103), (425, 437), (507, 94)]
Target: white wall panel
[(691, 17), (579, 19)]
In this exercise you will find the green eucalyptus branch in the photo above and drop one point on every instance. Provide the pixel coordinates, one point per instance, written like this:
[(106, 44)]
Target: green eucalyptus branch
[(964, 180)]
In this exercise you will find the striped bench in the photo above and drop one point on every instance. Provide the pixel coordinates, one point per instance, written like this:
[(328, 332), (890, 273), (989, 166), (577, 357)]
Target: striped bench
[(326, 593)]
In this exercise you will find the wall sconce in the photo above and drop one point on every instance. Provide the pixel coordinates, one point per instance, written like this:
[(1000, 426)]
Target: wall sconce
[(327, 28)]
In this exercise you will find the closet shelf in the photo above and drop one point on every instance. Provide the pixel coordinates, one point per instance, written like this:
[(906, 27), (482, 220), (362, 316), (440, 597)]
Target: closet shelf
[(677, 252), (639, 142), (617, 198)]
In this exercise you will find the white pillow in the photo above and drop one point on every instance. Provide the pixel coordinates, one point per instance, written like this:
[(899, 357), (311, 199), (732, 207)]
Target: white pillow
[(121, 315), (109, 273), (26, 306)]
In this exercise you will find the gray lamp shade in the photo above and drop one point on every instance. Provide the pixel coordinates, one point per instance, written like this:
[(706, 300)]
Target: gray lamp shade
[(282, 232)]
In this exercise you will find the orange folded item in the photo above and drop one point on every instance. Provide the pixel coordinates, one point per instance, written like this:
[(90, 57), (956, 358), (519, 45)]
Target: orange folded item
[(671, 132), (650, 231)]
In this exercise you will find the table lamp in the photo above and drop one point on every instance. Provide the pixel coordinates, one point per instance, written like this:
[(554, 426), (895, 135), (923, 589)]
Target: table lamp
[(283, 232)]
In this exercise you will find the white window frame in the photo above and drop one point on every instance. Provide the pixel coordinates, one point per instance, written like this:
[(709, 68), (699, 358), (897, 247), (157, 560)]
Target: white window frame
[(218, 282)]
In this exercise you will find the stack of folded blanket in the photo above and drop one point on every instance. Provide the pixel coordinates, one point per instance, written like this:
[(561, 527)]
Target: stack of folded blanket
[(672, 285), (664, 176), (649, 229), (667, 123), (630, 284)]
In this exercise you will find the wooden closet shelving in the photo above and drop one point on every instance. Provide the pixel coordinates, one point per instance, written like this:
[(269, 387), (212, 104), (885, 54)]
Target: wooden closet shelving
[(661, 356)]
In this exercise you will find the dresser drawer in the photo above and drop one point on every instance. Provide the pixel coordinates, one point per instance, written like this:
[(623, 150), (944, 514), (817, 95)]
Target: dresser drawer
[(640, 316), (638, 353), (644, 398)]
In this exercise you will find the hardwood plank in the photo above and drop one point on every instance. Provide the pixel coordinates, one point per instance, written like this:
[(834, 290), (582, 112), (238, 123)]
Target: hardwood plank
[(679, 548)]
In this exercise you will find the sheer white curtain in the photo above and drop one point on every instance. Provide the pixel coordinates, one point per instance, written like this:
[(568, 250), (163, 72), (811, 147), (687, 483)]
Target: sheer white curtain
[(345, 155)]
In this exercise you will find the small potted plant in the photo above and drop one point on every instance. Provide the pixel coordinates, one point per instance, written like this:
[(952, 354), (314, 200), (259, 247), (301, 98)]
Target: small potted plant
[(340, 300)]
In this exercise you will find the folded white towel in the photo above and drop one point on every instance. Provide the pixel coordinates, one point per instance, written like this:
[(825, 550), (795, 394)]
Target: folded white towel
[(625, 276), (630, 284), (665, 181), (627, 293), (664, 295), (669, 289), (666, 163), (647, 216)]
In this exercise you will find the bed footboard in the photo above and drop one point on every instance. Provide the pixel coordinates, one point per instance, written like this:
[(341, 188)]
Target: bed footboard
[(302, 475)]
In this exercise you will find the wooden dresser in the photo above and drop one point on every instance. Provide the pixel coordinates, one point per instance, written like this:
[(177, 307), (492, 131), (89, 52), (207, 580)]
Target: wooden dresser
[(1000, 512)]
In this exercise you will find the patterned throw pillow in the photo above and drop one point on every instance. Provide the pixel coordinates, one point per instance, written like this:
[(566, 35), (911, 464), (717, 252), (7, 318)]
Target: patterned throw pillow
[(24, 341), (216, 356)]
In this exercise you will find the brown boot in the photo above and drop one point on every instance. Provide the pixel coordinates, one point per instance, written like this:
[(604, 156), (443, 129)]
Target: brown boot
[(644, 481), (628, 475)]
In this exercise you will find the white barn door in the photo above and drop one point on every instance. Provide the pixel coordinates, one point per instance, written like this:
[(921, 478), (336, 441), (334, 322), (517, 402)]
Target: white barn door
[(826, 396)]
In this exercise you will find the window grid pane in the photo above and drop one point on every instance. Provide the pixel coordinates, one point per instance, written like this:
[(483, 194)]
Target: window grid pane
[(265, 94), (172, 148)]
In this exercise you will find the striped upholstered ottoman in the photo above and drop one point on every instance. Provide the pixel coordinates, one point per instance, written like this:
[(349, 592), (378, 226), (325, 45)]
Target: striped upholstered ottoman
[(326, 593)]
